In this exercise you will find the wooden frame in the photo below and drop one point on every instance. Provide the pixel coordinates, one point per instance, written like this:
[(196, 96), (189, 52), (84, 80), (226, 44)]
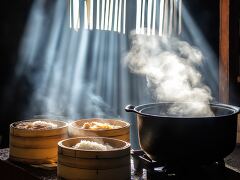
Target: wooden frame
[(224, 52), (229, 51), (229, 79)]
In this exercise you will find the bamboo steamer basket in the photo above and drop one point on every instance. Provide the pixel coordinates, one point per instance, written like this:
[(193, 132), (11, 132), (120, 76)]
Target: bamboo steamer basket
[(36, 146), (92, 164), (75, 129)]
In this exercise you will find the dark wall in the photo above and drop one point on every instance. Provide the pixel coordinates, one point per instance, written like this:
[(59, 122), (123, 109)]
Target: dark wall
[(234, 51), (205, 15), (13, 19)]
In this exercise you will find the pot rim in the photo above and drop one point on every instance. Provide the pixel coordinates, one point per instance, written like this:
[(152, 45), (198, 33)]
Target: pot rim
[(139, 108)]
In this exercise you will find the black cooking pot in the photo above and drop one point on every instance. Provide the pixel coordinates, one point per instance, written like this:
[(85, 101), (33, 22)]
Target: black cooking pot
[(182, 140)]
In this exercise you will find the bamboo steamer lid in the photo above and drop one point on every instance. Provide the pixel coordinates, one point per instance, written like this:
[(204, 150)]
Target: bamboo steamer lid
[(92, 164), (38, 146), (123, 133)]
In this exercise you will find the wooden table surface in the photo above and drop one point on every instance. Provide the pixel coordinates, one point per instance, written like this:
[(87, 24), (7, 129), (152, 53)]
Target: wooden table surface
[(12, 170)]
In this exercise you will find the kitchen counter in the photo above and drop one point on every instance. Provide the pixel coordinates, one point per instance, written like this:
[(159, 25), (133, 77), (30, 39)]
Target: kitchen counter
[(13, 170)]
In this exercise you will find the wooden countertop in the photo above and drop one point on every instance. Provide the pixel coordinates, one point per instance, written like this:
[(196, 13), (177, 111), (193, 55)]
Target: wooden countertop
[(13, 170)]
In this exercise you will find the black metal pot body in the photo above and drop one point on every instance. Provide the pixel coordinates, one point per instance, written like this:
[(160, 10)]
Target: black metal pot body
[(177, 141)]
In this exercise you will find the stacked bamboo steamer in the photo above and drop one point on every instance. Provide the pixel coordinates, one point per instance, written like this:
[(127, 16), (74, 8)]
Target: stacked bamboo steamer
[(36, 146), (92, 164), (122, 133)]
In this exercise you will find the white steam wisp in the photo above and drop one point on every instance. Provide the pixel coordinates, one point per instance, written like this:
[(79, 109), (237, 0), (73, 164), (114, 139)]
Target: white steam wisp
[(170, 69)]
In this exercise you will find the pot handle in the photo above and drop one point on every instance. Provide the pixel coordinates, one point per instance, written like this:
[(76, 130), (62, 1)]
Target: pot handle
[(130, 108)]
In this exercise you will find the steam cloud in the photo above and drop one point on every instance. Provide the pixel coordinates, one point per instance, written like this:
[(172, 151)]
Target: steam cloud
[(169, 65)]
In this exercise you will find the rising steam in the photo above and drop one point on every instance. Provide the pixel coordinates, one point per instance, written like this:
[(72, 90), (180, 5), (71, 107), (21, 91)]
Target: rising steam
[(169, 65)]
